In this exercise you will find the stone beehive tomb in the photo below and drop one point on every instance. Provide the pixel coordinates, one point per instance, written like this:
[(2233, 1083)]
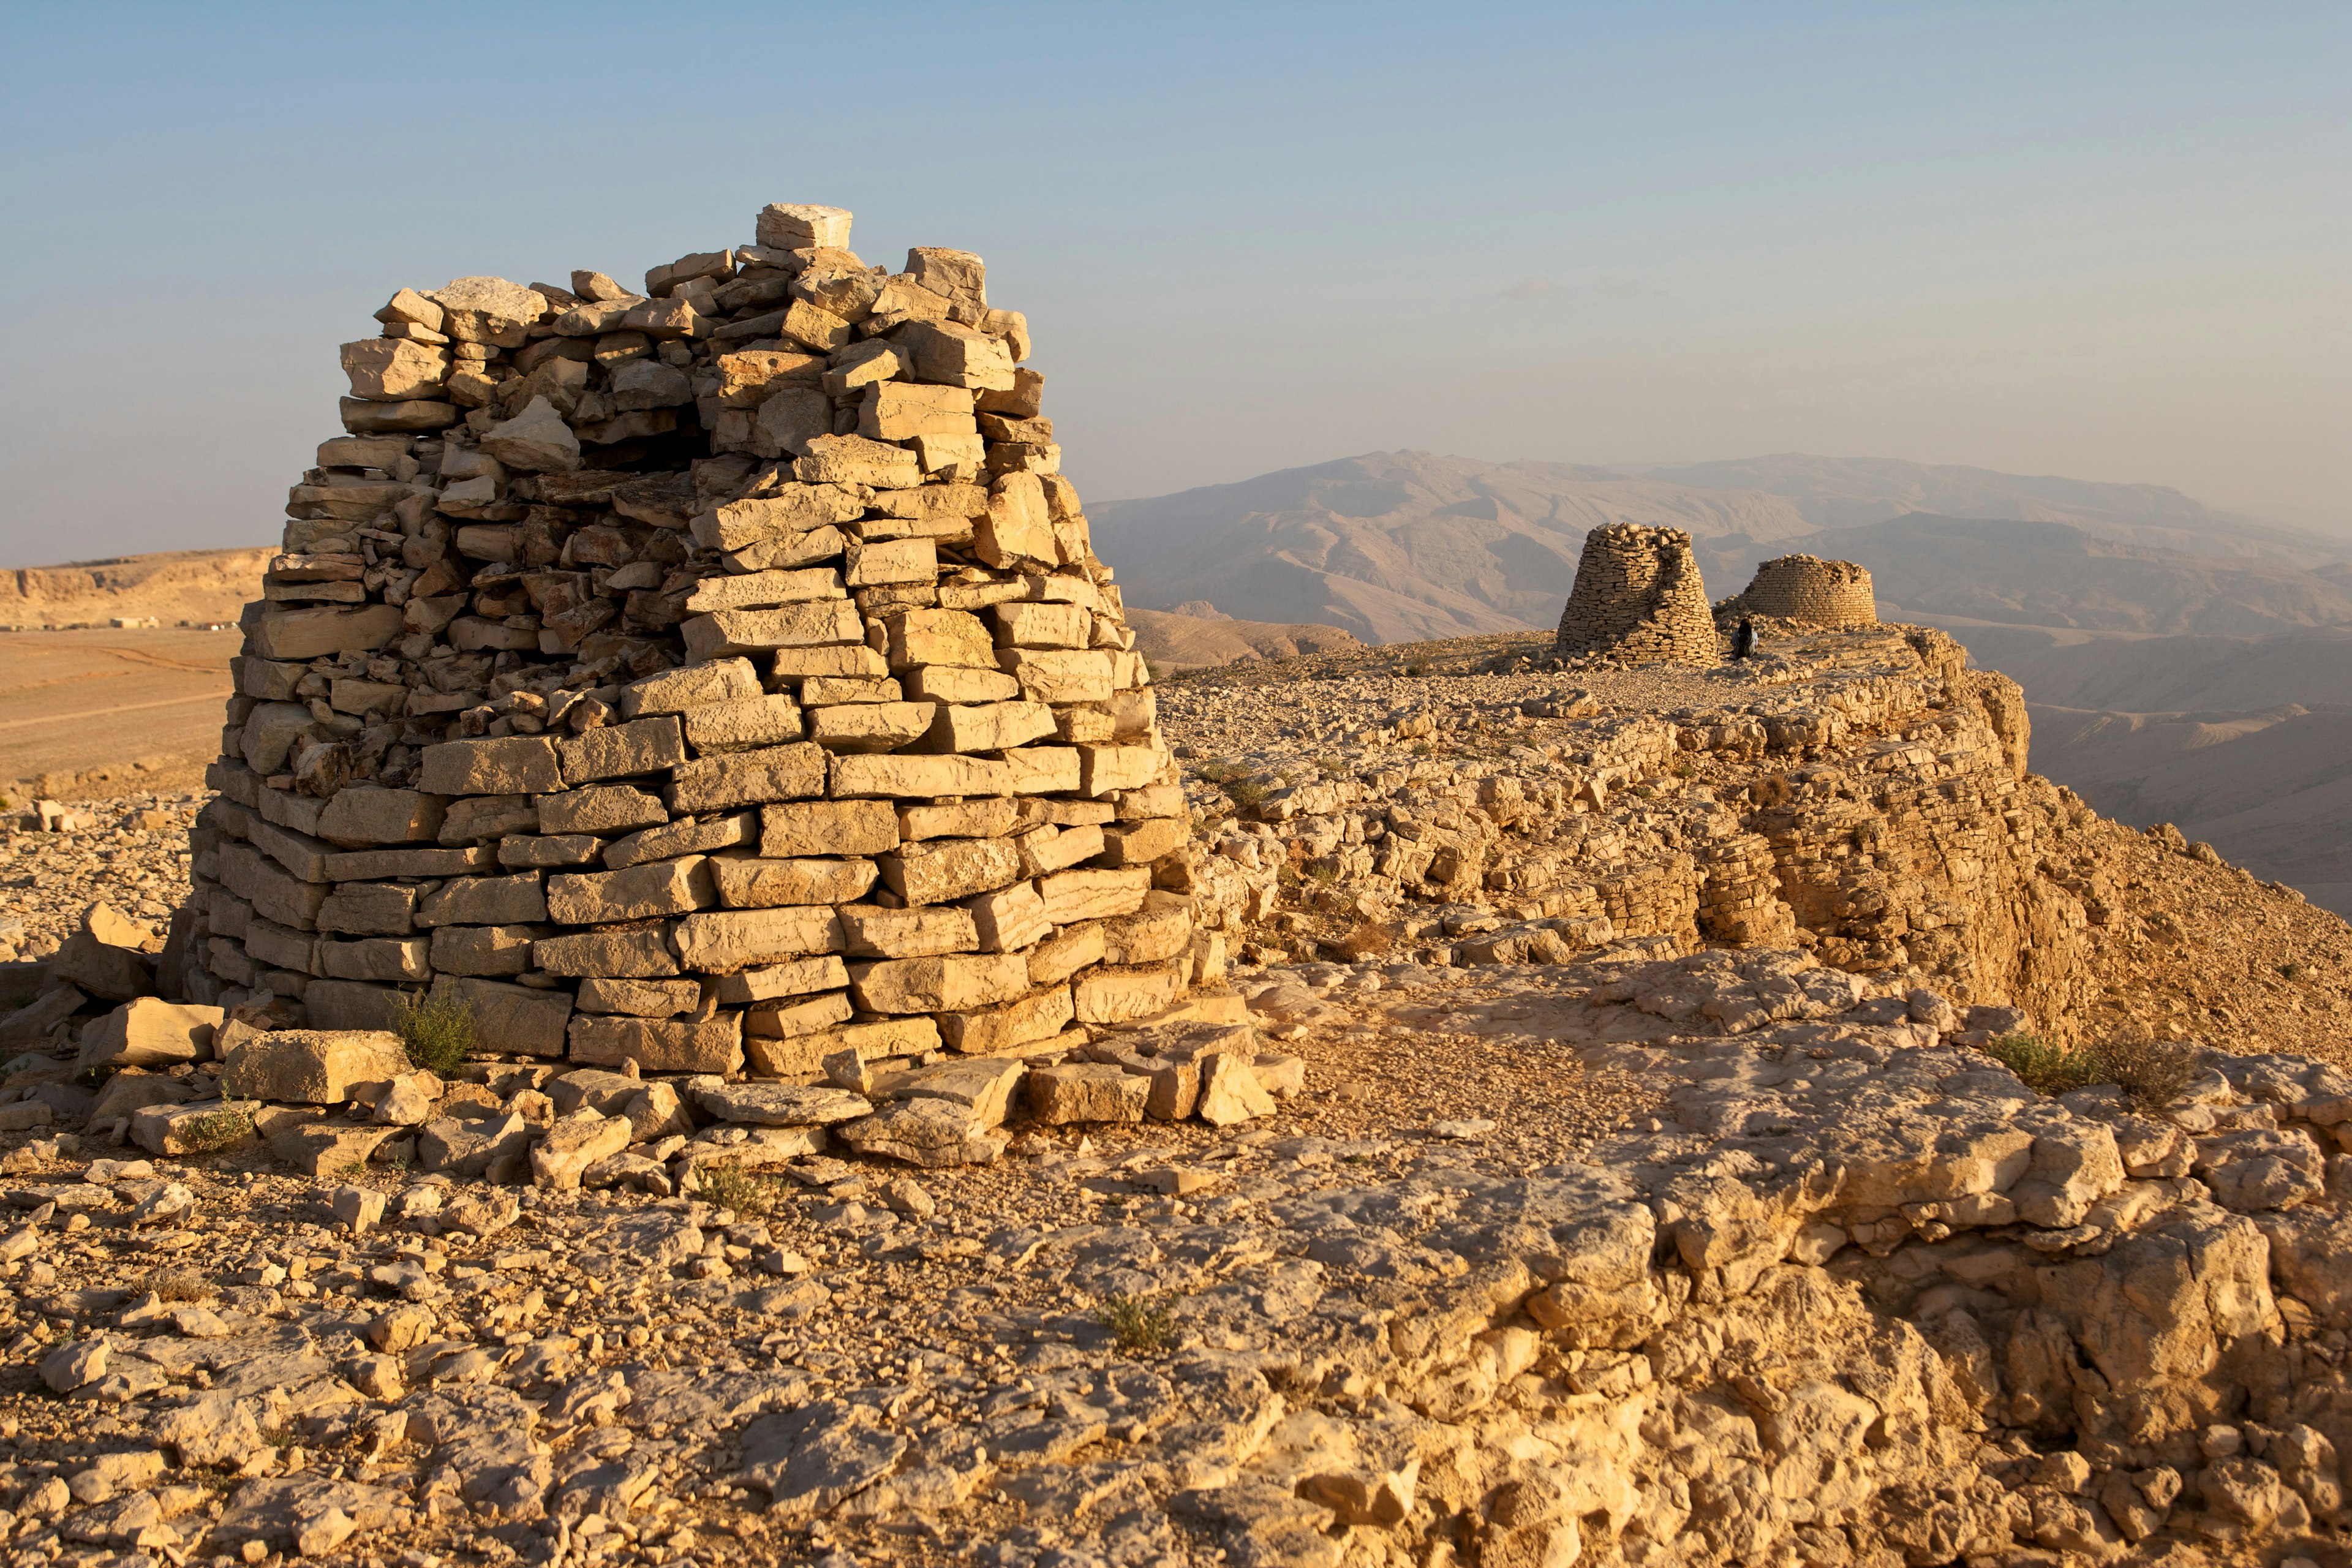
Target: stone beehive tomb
[(1808, 590), (1638, 597), (707, 679)]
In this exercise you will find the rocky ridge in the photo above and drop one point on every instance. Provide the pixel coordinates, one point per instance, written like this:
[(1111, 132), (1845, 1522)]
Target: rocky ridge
[(1859, 793), (178, 585), (1644, 1173), (1645, 1254)]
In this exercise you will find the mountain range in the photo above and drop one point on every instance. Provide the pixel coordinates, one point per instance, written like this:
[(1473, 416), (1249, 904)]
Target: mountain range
[(1395, 546)]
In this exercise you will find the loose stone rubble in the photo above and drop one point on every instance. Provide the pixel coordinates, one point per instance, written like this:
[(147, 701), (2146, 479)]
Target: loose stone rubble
[(55, 860)]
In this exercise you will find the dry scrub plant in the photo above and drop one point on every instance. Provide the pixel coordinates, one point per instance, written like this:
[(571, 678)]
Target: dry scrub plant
[(2154, 1073), (438, 1031)]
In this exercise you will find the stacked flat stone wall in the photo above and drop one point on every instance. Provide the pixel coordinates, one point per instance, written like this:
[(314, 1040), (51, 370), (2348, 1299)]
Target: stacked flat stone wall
[(1638, 596), (711, 676), (1808, 590)]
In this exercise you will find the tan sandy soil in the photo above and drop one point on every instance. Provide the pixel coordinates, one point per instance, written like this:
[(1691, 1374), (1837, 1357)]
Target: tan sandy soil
[(120, 711)]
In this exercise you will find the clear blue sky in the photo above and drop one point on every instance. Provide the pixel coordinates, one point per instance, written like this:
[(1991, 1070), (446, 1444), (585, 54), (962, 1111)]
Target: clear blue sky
[(2103, 241)]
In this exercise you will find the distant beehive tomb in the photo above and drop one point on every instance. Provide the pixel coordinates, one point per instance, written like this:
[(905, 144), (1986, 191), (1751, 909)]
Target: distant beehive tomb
[(1638, 596), (1809, 589)]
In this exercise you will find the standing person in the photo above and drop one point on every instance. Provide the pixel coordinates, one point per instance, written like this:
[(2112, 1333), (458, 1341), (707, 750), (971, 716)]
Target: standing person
[(1743, 641)]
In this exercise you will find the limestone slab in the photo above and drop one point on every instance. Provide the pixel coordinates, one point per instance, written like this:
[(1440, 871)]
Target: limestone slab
[(709, 1045)]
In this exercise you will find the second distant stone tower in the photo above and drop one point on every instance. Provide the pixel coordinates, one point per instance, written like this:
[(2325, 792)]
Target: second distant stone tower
[(1638, 596), (1808, 590)]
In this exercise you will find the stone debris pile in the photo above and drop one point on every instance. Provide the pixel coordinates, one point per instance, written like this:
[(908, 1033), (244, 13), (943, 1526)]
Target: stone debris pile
[(1804, 591), (1638, 597), (182, 1080)]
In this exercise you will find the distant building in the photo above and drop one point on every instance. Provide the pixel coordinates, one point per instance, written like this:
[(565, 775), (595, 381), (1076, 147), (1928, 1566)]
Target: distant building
[(1638, 597), (1805, 589)]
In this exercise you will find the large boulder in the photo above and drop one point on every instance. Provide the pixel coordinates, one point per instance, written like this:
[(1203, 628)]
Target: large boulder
[(147, 1032), (107, 957), (312, 1066)]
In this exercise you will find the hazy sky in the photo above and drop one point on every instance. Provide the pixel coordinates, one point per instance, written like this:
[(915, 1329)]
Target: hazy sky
[(2104, 241)]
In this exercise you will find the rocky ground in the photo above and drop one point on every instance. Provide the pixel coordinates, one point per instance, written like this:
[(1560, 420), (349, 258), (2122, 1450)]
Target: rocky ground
[(1854, 794), (1580, 1240), (131, 851)]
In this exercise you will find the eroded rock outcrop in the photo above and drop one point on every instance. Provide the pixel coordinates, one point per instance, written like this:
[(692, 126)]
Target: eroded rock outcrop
[(1861, 792)]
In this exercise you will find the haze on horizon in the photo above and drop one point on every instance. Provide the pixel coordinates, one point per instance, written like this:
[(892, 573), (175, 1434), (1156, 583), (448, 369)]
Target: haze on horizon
[(2103, 241)]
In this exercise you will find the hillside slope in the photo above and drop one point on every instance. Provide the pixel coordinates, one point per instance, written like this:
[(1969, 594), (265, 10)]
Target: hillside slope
[(2271, 791), (201, 585), (2054, 575), (2244, 743), (2154, 674), (1854, 492), (1175, 641)]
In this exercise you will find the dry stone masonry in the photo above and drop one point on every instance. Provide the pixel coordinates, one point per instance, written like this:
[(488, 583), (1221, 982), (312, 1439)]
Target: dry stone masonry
[(1808, 591), (1638, 597), (713, 679)]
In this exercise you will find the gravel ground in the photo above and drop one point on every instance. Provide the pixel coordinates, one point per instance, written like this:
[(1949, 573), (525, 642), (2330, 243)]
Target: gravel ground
[(857, 1283), (131, 852)]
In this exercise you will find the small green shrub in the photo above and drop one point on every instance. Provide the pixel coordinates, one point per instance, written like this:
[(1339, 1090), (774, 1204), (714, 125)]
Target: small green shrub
[(217, 1129), (1138, 1325), (2043, 1067), (730, 1187), (1244, 793), (2153, 1073), (438, 1031)]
